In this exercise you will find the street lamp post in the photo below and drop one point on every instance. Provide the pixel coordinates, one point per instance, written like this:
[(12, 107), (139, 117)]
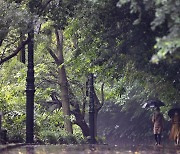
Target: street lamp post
[(30, 90), (91, 110)]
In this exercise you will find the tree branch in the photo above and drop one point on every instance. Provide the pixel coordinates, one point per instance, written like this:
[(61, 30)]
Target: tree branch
[(15, 52), (44, 6), (96, 100), (54, 56)]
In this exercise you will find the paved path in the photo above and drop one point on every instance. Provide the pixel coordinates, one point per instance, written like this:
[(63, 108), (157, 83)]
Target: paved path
[(87, 149)]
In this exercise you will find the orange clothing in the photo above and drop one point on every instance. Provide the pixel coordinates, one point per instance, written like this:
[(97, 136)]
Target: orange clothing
[(175, 129)]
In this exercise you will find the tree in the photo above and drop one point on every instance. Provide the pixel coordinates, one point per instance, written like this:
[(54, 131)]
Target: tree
[(116, 44), (166, 16), (60, 22), (63, 82), (14, 21), (91, 37)]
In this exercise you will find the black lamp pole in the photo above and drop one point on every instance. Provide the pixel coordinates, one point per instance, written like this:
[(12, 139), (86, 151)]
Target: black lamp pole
[(30, 90), (91, 110)]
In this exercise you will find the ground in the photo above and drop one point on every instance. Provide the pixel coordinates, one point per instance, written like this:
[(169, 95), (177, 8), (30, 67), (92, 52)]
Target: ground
[(88, 149)]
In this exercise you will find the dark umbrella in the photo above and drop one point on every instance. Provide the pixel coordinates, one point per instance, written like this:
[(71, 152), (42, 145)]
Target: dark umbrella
[(172, 111), (153, 103)]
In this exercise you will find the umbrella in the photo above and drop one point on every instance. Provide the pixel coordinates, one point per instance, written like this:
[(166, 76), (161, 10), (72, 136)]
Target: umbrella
[(172, 111), (153, 103)]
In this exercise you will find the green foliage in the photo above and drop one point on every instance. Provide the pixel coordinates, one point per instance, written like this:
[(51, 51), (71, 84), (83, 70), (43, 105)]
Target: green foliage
[(57, 137), (166, 16), (166, 46), (14, 21), (100, 38), (60, 11), (12, 102)]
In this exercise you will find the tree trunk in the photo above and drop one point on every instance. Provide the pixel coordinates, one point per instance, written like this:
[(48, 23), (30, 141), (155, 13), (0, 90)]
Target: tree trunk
[(98, 106), (79, 114), (63, 82), (65, 93), (81, 122), (84, 127)]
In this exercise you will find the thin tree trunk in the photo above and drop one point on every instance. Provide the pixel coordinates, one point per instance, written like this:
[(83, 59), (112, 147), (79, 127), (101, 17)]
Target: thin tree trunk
[(65, 93), (98, 106), (63, 82)]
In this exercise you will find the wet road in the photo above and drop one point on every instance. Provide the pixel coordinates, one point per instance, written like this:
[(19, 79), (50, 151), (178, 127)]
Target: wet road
[(88, 149)]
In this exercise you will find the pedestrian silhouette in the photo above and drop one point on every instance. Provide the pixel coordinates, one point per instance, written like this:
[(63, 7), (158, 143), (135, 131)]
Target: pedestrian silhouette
[(158, 121), (175, 128)]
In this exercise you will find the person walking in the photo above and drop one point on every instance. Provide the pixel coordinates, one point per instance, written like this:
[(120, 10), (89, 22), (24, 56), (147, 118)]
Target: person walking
[(158, 122), (175, 128)]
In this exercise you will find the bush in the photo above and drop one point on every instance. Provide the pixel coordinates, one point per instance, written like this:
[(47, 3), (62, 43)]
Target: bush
[(59, 137), (67, 139), (49, 137), (16, 138)]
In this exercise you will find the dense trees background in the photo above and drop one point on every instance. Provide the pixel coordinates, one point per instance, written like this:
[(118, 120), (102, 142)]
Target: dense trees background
[(131, 47)]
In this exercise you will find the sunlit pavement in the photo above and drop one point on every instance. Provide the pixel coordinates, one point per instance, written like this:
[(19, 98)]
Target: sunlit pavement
[(88, 149)]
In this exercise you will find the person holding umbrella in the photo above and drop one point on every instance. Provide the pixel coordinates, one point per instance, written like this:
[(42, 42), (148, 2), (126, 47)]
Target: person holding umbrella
[(157, 118), (175, 128), (158, 121)]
